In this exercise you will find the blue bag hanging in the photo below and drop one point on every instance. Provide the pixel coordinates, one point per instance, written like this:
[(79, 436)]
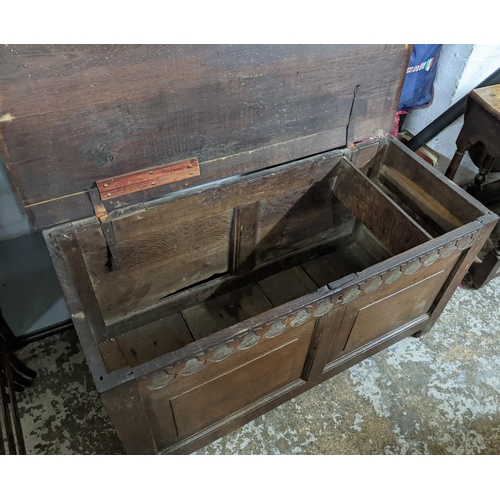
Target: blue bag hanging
[(417, 88)]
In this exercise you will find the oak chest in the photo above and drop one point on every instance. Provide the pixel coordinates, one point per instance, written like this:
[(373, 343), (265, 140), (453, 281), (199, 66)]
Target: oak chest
[(230, 225)]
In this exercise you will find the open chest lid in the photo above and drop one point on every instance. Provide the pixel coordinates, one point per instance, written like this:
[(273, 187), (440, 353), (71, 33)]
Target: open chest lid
[(73, 117)]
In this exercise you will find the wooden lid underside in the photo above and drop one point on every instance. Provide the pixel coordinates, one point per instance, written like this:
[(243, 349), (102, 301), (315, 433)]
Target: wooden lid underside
[(74, 115)]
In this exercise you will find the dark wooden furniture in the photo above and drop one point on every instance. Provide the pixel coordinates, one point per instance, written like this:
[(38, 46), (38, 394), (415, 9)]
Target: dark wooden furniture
[(480, 135), (14, 377), (218, 252)]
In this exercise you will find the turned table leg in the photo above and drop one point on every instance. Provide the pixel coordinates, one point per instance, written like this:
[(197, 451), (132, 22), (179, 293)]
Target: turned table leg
[(484, 170), (455, 163), (464, 142)]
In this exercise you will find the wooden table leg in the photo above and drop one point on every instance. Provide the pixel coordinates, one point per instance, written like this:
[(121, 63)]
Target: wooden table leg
[(490, 268), (455, 163), (14, 377), (484, 170)]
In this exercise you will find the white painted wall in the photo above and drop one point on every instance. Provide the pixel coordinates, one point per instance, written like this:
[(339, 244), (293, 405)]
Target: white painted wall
[(461, 68)]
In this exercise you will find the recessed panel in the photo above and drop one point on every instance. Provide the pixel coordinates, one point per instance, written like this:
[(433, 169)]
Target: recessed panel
[(394, 311), (232, 391), (154, 264)]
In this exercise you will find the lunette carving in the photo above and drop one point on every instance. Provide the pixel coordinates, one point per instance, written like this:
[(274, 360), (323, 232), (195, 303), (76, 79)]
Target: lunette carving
[(322, 307), (373, 285), (448, 250), (250, 338), (431, 258), (221, 353), (192, 366), (160, 380), (394, 276), (276, 328), (300, 318), (249, 341), (413, 267), (352, 294), (465, 243)]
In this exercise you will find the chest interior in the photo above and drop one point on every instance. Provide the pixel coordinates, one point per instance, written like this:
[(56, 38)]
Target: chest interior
[(198, 262)]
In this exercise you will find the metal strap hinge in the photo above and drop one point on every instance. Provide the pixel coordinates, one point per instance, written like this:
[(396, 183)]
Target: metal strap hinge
[(148, 178), (122, 185)]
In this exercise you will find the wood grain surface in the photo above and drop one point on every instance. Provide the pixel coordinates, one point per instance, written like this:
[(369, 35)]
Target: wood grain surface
[(489, 99), (75, 114), (154, 264), (391, 225), (169, 245), (442, 201), (226, 310)]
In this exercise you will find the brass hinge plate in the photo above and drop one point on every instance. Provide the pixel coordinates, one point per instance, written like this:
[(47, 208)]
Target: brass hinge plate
[(148, 178)]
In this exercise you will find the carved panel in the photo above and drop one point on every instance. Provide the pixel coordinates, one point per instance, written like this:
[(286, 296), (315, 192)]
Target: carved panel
[(252, 337)]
